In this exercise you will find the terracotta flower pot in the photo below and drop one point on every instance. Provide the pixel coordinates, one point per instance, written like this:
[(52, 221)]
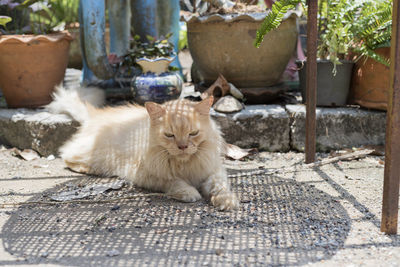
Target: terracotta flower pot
[(31, 66), (370, 82)]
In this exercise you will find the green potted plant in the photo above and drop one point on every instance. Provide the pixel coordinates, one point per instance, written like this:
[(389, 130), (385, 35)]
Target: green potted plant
[(35, 53), (220, 39), (372, 34), (334, 41), (156, 81)]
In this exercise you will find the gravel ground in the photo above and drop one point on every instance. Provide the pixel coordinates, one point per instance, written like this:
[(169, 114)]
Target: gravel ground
[(327, 216)]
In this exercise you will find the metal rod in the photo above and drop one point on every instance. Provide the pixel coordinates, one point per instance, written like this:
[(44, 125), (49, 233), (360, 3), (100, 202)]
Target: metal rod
[(311, 80), (390, 201)]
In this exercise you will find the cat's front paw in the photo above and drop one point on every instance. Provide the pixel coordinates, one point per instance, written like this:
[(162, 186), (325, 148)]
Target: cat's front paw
[(225, 201), (188, 194)]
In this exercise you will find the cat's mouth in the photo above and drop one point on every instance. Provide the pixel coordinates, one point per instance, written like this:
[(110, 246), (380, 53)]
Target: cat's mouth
[(182, 157), (183, 154)]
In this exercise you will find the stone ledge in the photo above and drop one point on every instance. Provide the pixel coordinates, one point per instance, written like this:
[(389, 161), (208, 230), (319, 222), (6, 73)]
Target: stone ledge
[(267, 127), (338, 128), (35, 129)]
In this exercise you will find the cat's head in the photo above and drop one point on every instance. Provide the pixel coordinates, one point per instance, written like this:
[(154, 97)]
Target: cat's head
[(180, 126)]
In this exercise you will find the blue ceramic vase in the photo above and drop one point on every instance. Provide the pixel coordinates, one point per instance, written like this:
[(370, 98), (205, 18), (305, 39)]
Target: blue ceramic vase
[(156, 83)]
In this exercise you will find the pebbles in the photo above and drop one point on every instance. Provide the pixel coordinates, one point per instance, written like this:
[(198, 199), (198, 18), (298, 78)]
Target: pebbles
[(228, 104), (219, 252), (112, 253), (235, 92), (116, 207)]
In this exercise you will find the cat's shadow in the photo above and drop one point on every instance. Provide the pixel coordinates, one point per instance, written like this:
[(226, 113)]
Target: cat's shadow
[(280, 222)]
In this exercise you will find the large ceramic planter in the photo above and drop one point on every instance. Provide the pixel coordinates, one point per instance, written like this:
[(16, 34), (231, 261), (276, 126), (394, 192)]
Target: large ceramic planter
[(156, 83), (31, 66), (223, 44), (332, 90), (370, 82)]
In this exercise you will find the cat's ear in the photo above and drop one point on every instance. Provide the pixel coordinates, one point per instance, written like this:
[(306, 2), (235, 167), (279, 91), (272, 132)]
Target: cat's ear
[(204, 106), (155, 110)]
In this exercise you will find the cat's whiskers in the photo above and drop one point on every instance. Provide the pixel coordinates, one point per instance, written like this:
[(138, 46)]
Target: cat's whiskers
[(163, 154)]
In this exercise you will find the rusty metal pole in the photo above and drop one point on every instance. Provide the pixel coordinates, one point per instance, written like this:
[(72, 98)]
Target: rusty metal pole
[(390, 201), (311, 80)]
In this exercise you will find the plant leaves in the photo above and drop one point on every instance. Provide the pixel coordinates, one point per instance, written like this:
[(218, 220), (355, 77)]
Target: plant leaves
[(29, 2), (150, 38), (168, 35), (274, 18), (4, 20)]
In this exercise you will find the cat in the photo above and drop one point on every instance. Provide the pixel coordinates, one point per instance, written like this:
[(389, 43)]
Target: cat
[(173, 147)]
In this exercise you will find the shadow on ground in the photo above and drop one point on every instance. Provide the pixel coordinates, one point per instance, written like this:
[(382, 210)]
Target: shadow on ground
[(280, 222)]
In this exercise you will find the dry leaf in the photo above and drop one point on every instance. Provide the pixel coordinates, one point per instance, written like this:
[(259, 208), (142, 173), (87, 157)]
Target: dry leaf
[(89, 190), (26, 154), (237, 153), (378, 150), (218, 89), (40, 166), (161, 231)]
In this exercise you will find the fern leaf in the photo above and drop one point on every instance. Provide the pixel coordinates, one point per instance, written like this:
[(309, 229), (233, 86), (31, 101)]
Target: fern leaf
[(369, 53), (274, 18)]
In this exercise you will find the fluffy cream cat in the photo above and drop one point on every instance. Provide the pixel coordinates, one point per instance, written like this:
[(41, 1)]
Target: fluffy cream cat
[(173, 148)]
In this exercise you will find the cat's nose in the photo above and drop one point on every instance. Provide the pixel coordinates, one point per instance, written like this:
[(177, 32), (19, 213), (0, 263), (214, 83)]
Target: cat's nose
[(182, 146)]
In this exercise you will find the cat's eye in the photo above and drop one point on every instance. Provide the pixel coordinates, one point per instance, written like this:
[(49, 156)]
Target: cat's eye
[(169, 135), (194, 133)]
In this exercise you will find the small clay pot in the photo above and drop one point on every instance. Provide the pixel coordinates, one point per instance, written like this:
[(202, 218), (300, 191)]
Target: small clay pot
[(31, 66)]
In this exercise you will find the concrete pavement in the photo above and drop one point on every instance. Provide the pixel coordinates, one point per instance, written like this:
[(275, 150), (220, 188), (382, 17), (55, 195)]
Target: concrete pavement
[(326, 216)]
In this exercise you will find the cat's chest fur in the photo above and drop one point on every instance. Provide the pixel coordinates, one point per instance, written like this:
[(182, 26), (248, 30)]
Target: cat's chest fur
[(194, 170)]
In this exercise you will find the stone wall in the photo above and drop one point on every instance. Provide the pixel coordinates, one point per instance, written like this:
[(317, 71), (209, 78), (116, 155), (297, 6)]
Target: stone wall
[(266, 127)]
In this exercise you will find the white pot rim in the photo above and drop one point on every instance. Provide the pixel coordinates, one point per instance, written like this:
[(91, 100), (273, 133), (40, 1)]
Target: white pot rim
[(259, 16), (156, 59)]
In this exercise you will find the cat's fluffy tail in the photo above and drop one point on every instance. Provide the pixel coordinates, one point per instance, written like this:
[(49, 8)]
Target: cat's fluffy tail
[(76, 102)]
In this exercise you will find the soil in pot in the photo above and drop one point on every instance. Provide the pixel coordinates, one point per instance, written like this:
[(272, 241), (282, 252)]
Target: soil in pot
[(35, 64), (332, 90)]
